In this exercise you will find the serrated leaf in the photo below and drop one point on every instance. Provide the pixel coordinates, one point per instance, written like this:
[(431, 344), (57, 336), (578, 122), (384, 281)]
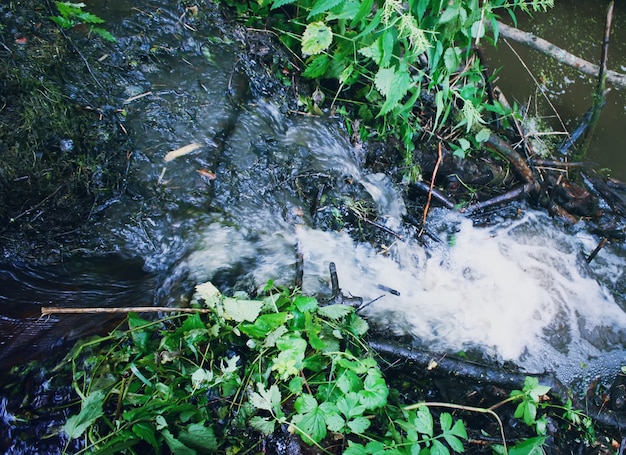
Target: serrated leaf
[(176, 446), (264, 324), (393, 85), (242, 310), (424, 421), (146, 432), (335, 312), (317, 66), (317, 37), (91, 410), (305, 303), (375, 390), (199, 436), (322, 6), (454, 442), (372, 51), (310, 420), (268, 400), (438, 448), (335, 423), (279, 3), (263, 424), (359, 424), (350, 406)]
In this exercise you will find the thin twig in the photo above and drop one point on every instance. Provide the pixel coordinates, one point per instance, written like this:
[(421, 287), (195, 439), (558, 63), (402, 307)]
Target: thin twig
[(432, 185)]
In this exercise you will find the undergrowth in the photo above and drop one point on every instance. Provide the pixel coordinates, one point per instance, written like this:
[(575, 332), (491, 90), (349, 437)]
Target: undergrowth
[(240, 372), (405, 68)]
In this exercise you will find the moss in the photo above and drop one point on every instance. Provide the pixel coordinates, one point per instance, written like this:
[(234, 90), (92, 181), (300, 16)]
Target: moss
[(60, 155)]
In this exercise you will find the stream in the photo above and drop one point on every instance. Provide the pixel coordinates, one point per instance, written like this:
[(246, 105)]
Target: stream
[(265, 186)]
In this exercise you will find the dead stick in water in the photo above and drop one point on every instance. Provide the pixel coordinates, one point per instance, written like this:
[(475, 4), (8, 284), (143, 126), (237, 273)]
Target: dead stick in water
[(46, 311), (595, 252), (561, 55), (430, 191), (599, 97)]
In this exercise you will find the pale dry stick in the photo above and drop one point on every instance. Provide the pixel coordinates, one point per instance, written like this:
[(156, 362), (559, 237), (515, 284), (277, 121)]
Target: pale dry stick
[(561, 55), (461, 407), (47, 310)]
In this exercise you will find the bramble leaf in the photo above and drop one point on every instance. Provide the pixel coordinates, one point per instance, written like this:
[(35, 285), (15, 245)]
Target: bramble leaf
[(317, 37)]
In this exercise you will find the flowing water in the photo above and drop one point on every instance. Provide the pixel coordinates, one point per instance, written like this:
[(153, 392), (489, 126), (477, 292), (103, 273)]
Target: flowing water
[(266, 187)]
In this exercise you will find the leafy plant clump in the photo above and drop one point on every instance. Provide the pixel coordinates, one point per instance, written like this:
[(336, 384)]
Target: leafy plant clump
[(243, 371), (72, 15), (407, 68)]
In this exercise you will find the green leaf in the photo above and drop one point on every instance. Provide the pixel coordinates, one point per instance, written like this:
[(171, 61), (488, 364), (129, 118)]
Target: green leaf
[(424, 421), (311, 418), (91, 410), (199, 436), (177, 447), (321, 6), (279, 3), (305, 303), (531, 446), (350, 406), (263, 424), (372, 51), (242, 310), (393, 85), (483, 135), (146, 432), (317, 37), (264, 324), (268, 400), (438, 448), (375, 390), (359, 425), (317, 66), (335, 312)]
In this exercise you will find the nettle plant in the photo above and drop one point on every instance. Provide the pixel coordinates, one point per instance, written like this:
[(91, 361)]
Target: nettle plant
[(204, 382), (239, 370), (72, 15), (388, 57)]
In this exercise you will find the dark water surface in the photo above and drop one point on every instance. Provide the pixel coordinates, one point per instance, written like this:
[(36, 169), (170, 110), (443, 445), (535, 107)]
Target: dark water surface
[(526, 75)]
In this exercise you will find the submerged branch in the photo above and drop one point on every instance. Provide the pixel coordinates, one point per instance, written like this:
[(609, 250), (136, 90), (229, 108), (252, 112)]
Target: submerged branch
[(541, 45)]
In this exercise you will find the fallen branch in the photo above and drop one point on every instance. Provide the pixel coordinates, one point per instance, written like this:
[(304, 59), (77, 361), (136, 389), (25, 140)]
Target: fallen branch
[(541, 45), (501, 199), (46, 310), (500, 146)]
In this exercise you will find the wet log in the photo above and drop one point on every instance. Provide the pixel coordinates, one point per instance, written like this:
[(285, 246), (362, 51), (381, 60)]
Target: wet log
[(521, 167), (425, 365), (541, 45), (512, 195)]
